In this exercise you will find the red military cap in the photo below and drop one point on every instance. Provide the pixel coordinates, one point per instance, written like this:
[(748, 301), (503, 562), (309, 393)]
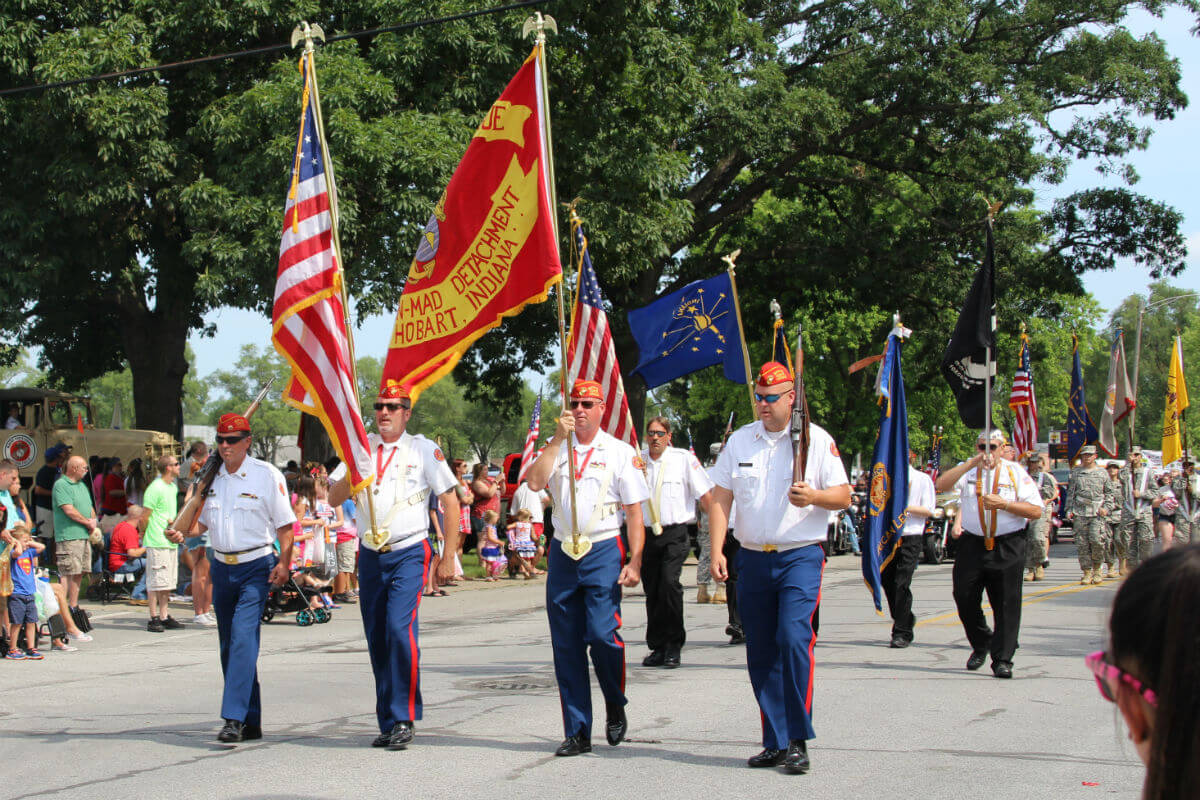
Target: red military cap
[(587, 390), (232, 423), (392, 389), (772, 373)]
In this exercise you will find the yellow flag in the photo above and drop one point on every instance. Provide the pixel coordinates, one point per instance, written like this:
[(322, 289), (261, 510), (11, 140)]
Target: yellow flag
[(1177, 401)]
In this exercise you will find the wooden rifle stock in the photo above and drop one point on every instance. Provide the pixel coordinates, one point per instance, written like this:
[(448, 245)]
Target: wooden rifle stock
[(799, 414), (728, 431), (190, 512)]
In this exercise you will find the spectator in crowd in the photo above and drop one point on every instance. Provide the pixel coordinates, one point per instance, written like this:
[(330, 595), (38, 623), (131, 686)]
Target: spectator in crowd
[(522, 549), (491, 554), (114, 501), (126, 555), (1165, 504), (162, 560), (74, 519), (135, 482), (14, 417), (43, 489), (1151, 669), (437, 546), (347, 553), (487, 498), (304, 507), (22, 609), (97, 469), (465, 498)]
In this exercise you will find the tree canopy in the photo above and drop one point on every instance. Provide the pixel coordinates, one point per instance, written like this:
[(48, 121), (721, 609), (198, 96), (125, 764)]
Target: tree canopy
[(847, 147)]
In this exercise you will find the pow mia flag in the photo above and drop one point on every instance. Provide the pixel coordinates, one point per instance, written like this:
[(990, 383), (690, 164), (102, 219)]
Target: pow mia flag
[(970, 355)]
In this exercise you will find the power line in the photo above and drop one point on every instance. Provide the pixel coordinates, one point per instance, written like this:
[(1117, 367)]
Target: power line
[(404, 26)]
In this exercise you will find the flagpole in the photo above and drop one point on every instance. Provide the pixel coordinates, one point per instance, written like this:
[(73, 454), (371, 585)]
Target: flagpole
[(1182, 420), (309, 32), (737, 307), (538, 24)]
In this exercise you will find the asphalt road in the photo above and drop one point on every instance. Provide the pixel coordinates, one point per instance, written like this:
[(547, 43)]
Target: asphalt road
[(134, 714)]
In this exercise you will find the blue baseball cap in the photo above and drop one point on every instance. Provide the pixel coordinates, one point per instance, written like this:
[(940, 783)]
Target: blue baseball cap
[(55, 451)]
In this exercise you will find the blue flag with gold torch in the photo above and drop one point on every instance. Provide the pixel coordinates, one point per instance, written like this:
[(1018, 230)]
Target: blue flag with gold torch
[(688, 330), (1080, 428), (888, 495)]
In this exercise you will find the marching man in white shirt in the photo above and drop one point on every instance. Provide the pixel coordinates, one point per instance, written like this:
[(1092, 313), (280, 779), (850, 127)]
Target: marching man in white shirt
[(998, 501), (677, 482), (898, 574), (245, 511), (780, 525), (394, 556), (587, 571)]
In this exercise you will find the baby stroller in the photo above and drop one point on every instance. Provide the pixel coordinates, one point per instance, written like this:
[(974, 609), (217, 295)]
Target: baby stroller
[(295, 595)]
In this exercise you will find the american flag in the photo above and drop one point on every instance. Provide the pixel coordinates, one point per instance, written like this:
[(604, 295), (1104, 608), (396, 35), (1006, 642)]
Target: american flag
[(527, 455), (935, 460), (308, 318), (1023, 403), (590, 352)]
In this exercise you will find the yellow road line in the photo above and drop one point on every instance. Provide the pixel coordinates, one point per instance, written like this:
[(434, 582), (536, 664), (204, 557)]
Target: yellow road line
[(1029, 598)]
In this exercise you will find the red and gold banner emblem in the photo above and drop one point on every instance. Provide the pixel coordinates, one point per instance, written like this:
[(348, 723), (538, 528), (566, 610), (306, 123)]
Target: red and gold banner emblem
[(489, 247)]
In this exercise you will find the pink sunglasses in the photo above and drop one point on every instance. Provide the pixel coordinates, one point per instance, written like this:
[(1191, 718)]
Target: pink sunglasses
[(1107, 677)]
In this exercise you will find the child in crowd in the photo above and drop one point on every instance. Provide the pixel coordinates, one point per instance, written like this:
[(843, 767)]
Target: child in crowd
[(344, 590), (490, 547), (22, 608), (520, 544)]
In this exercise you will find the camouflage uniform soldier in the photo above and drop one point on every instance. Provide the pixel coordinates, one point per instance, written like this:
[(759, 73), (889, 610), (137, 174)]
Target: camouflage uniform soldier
[(1185, 490), (1116, 546), (1137, 515), (1039, 529), (1088, 498)]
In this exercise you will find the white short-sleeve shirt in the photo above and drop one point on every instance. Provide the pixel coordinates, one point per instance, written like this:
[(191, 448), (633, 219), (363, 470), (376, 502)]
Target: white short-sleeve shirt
[(526, 499), (920, 493), (405, 470), (593, 463), (756, 465), (244, 509), (1012, 483), (676, 482)]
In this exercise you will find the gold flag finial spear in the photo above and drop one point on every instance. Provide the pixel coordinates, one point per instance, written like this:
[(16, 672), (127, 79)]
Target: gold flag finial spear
[(731, 260)]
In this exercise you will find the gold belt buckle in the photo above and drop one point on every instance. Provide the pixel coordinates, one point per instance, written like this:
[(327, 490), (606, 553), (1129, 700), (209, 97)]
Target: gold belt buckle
[(769, 548), (230, 558)]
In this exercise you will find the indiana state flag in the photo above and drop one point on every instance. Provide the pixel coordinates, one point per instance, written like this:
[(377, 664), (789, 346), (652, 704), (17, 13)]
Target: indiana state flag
[(1080, 428), (688, 330), (888, 495)]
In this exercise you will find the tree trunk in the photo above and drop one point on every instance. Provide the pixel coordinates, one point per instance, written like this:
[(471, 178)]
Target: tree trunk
[(155, 345)]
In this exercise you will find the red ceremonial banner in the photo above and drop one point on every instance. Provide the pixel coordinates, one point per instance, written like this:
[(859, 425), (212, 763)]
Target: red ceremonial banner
[(489, 247)]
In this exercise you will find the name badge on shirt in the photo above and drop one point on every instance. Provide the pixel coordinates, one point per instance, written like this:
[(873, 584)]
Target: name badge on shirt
[(745, 463), (248, 495)]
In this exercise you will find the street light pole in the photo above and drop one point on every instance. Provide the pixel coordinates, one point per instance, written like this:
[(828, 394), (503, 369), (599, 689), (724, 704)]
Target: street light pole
[(1137, 351)]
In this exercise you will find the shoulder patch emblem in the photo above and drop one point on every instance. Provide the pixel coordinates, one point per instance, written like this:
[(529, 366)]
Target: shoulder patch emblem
[(282, 490), (438, 455), (639, 462), (833, 450)]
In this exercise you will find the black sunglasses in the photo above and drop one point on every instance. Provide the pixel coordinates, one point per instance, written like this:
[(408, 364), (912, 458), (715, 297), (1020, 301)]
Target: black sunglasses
[(656, 434), (583, 404), (981, 447), (393, 407), (232, 439)]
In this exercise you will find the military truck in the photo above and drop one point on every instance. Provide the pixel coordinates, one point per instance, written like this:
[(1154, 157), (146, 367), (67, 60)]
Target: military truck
[(48, 417)]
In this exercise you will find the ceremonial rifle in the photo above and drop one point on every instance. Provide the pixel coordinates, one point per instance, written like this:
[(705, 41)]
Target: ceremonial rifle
[(800, 416), (728, 431), (208, 473)]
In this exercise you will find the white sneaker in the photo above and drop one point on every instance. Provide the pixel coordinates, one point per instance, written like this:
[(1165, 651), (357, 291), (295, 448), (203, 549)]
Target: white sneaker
[(206, 620), (62, 647), (178, 598), (79, 637)]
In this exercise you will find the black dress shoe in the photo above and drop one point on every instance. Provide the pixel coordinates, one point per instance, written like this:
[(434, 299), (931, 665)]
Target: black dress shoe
[(735, 634), (402, 734), (381, 740), (769, 757), (251, 732), (671, 661), (976, 660), (231, 733), (796, 760), (574, 746), (654, 659), (616, 726), (1002, 669), (899, 642)]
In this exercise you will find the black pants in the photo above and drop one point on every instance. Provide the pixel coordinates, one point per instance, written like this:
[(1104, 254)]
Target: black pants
[(999, 572), (730, 550), (897, 586), (662, 564)]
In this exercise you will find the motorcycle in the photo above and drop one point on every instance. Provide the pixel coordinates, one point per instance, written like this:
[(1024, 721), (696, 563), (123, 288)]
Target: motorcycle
[(937, 543), (844, 531)]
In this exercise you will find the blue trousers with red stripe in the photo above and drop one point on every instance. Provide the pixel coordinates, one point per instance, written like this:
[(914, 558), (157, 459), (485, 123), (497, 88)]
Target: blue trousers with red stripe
[(239, 595), (583, 602), (389, 594), (778, 594)]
